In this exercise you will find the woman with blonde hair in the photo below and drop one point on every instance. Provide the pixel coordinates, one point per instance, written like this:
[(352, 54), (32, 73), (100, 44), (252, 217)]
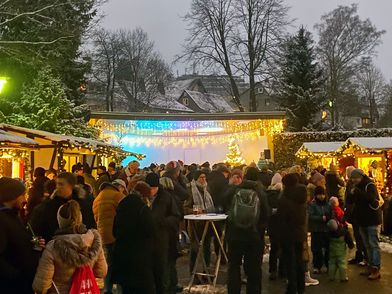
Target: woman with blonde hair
[(73, 247)]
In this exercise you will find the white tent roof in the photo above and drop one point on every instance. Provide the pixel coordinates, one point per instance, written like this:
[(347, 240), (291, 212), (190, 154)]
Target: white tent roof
[(372, 143), (6, 137), (321, 147)]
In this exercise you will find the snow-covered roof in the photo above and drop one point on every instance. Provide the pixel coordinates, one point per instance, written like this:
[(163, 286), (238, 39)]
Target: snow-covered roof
[(371, 143), (319, 147), (210, 102), (181, 85), (6, 137), (57, 138), (166, 102)]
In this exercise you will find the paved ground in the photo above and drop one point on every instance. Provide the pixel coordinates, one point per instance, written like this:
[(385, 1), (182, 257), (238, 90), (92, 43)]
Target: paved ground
[(356, 285)]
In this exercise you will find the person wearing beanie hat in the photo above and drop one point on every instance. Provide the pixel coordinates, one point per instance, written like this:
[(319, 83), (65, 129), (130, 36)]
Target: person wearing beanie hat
[(72, 248), (316, 180), (334, 182), (351, 217), (18, 259), (166, 219), (292, 216), (319, 213)]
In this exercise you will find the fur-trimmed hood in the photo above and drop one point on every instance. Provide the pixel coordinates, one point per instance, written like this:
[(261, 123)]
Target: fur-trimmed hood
[(77, 249)]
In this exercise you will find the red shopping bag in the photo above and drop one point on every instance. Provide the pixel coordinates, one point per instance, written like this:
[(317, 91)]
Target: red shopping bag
[(83, 281)]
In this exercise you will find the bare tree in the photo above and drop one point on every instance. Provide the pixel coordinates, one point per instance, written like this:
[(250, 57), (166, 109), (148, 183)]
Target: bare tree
[(344, 40), (128, 59), (105, 62), (371, 85), (210, 41), (261, 25)]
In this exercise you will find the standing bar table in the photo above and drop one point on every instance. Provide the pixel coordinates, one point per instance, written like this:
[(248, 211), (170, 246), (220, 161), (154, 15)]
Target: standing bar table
[(210, 219)]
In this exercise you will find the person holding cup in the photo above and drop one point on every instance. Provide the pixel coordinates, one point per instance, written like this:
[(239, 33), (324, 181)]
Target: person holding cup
[(19, 255)]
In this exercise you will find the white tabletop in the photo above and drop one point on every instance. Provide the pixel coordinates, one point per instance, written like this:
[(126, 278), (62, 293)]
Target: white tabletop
[(204, 217)]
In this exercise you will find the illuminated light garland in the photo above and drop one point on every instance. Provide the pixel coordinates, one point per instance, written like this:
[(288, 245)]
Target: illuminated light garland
[(189, 128), (13, 153)]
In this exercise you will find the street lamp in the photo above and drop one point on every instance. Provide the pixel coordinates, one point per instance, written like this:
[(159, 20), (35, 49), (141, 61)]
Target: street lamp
[(3, 81)]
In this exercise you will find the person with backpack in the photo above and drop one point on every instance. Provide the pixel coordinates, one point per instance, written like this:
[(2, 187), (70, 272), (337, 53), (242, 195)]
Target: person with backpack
[(248, 212), (319, 213), (292, 215), (74, 258), (368, 204)]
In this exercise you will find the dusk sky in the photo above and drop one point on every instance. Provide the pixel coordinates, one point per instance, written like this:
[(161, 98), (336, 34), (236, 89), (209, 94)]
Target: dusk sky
[(162, 19)]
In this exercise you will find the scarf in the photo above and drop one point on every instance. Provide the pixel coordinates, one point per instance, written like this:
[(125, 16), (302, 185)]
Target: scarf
[(205, 200)]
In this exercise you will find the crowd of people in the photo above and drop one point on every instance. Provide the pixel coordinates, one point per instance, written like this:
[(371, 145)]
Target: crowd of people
[(123, 226)]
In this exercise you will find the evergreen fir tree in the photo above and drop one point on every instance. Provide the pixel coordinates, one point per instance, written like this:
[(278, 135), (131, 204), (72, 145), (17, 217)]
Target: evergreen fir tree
[(43, 105), (300, 81), (234, 156)]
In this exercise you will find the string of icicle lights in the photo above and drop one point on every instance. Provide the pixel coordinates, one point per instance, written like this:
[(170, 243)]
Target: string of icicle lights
[(189, 128)]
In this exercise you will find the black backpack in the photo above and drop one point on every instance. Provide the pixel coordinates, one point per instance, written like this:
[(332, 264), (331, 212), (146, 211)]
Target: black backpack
[(245, 210)]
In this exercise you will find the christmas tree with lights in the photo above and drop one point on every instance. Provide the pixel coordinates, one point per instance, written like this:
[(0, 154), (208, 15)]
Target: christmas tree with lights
[(234, 157)]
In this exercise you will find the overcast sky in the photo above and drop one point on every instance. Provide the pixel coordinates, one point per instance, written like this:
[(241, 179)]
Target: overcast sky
[(163, 23)]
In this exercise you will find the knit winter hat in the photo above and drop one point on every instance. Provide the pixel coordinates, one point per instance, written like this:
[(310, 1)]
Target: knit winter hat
[(251, 174), (119, 182), (197, 174), (332, 225), (143, 189), (152, 179), (317, 177), (238, 173), (171, 166), (319, 191), (357, 173), (334, 201), (73, 214), (10, 189), (290, 180), (276, 179)]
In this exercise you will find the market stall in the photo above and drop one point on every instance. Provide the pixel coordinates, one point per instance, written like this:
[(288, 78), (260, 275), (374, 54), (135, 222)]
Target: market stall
[(62, 152), (15, 155), (374, 156), (319, 153)]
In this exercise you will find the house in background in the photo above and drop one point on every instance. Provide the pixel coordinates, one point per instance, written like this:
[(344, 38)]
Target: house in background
[(265, 101)]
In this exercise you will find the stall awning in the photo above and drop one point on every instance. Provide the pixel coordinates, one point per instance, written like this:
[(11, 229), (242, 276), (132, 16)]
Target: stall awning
[(11, 140), (318, 148), (66, 141), (370, 143)]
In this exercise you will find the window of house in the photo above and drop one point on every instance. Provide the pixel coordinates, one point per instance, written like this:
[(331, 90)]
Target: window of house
[(260, 90), (267, 102), (185, 101), (365, 121)]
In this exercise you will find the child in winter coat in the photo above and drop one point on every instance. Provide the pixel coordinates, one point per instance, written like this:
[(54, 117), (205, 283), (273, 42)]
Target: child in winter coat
[(319, 215), (337, 242), (72, 247)]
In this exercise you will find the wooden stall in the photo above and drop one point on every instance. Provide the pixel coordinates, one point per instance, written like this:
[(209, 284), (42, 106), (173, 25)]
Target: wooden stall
[(374, 156), (62, 152), (15, 155), (319, 153)]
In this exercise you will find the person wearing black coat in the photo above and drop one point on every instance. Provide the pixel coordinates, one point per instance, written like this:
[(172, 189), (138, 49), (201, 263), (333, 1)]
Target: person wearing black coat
[(246, 245), (44, 216), (293, 231), (166, 219), (333, 183), (37, 190), (133, 250), (368, 205), (18, 259)]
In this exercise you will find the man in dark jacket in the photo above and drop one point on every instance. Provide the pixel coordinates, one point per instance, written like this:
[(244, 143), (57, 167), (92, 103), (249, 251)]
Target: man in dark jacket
[(44, 217), (133, 250), (103, 177), (246, 244), (18, 260), (368, 209), (218, 181), (166, 218), (293, 228)]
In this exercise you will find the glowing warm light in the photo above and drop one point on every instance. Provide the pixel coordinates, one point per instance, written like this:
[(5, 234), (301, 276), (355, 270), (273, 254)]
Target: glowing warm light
[(3, 81)]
